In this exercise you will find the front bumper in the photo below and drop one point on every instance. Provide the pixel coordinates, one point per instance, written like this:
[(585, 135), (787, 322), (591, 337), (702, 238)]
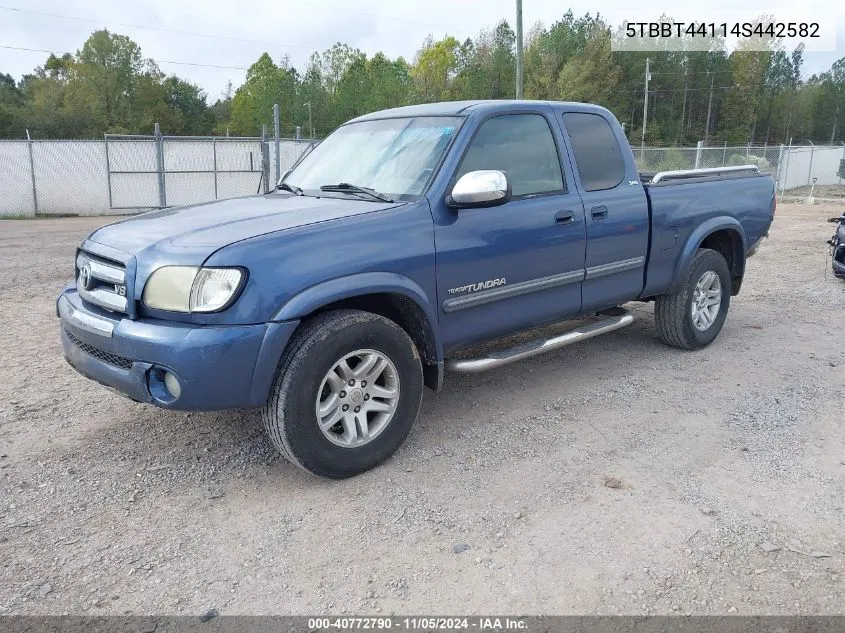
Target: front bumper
[(220, 367)]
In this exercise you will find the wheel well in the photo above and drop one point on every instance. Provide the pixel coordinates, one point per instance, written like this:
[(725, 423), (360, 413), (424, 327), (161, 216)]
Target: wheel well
[(406, 314), (729, 244)]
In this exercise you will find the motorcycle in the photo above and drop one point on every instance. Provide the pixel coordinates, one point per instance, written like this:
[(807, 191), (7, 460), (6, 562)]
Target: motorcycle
[(837, 246)]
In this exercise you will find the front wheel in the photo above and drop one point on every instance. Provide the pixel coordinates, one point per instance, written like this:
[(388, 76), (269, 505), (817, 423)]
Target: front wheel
[(348, 390), (693, 317)]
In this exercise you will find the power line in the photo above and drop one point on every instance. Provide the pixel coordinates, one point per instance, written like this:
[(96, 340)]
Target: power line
[(215, 36), (373, 14), (157, 61), (153, 28), (659, 90), (702, 72)]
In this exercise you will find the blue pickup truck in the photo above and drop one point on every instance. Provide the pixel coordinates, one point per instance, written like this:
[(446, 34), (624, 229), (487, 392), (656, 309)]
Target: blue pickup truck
[(401, 242)]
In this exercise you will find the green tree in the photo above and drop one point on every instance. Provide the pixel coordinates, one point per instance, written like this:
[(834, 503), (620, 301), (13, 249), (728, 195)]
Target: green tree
[(188, 100), (11, 102), (593, 75), (266, 84), (435, 68), (221, 111), (829, 103), (547, 51), (389, 82), (104, 78)]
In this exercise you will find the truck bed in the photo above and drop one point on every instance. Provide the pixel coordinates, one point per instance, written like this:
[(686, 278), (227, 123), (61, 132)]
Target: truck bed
[(681, 206)]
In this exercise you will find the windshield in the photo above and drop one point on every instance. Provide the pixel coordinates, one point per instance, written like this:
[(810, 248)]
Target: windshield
[(395, 157)]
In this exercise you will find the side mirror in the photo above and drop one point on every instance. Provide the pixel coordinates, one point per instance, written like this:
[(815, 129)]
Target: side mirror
[(484, 188), (835, 220)]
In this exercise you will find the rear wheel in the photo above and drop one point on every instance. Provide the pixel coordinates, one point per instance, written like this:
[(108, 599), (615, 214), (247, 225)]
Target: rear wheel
[(693, 317), (348, 390)]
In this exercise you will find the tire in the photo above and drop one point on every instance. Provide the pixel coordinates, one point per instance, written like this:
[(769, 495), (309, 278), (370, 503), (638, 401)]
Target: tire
[(292, 417), (673, 314)]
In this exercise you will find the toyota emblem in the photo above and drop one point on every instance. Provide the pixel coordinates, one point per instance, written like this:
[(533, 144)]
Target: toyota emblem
[(85, 278)]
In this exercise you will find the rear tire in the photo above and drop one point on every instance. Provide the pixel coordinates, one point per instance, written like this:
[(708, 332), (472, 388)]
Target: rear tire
[(693, 317), (322, 371)]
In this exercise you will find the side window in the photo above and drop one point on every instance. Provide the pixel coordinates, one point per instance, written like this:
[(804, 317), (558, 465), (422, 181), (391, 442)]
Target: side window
[(597, 154), (522, 146)]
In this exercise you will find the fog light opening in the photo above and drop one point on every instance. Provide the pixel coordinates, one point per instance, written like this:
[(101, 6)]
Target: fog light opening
[(164, 386), (172, 385)]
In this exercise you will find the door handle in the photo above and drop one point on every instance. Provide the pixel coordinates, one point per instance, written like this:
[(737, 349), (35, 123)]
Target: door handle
[(599, 212), (564, 217)]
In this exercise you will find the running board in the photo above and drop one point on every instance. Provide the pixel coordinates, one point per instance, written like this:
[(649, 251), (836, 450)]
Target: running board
[(617, 318)]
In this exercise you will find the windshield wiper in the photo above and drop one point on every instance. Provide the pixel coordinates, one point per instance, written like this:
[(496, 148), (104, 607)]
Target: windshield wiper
[(289, 187), (345, 187)]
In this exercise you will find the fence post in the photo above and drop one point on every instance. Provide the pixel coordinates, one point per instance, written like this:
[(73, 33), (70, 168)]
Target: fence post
[(108, 169), (747, 151), (214, 156), (810, 171), (32, 173), (698, 147), (725, 154), (781, 180), (276, 126), (265, 159), (843, 158), (298, 132), (162, 194)]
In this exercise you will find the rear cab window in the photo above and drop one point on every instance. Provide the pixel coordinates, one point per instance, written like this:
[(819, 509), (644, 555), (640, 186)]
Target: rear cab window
[(598, 157)]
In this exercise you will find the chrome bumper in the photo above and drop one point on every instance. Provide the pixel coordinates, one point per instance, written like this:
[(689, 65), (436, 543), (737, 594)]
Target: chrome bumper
[(84, 320)]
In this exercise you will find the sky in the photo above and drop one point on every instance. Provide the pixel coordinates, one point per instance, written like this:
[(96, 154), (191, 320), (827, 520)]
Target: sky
[(231, 35)]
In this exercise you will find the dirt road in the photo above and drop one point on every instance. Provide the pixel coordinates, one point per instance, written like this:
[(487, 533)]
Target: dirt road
[(616, 476)]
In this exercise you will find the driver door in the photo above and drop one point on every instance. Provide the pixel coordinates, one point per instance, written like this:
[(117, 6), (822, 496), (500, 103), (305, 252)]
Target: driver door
[(521, 264)]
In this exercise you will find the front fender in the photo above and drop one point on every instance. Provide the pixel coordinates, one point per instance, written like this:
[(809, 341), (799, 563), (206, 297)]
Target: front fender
[(694, 242), (307, 301)]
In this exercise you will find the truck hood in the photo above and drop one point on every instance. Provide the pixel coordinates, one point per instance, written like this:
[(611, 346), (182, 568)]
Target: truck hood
[(199, 230)]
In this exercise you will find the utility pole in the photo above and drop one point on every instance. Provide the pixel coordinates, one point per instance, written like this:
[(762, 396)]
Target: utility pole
[(683, 111), (310, 125), (645, 101), (519, 49), (709, 106)]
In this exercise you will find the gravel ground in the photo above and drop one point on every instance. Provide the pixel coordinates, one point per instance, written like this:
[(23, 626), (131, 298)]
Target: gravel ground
[(614, 476)]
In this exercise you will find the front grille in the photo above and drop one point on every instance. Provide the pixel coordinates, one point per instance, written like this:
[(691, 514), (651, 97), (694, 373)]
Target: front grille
[(106, 357), (101, 282)]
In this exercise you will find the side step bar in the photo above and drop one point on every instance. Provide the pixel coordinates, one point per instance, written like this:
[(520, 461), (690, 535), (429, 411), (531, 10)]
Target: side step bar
[(617, 318)]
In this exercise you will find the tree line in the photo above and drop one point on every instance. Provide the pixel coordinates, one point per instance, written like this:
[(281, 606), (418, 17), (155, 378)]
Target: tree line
[(738, 98)]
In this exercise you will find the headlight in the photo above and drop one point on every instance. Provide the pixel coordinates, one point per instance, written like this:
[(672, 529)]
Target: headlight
[(169, 288), (192, 289), (214, 288)]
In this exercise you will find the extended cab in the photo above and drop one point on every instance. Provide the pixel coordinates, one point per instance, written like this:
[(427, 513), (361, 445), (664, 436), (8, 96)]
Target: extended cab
[(404, 239)]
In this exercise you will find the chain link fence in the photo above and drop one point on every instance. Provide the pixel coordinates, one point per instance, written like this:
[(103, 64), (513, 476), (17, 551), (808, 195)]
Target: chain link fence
[(766, 157), (16, 179), (124, 174), (801, 173), (129, 174), (163, 171)]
